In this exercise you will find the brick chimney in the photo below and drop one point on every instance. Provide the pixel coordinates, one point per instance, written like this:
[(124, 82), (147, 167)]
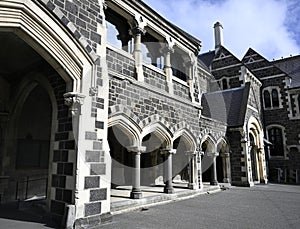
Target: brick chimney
[(218, 35)]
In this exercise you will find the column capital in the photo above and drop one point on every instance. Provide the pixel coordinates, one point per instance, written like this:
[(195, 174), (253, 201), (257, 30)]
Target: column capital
[(200, 153), (168, 151), (191, 153), (136, 149), (137, 31), (212, 154), (224, 154), (166, 49)]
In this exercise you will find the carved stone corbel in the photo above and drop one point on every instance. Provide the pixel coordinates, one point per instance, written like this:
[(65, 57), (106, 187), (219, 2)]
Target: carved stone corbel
[(74, 101)]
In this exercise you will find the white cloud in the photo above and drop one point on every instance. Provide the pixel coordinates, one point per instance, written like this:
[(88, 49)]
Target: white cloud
[(262, 25)]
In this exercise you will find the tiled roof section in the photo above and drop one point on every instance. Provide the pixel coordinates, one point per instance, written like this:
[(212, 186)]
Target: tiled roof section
[(207, 58), (259, 65), (228, 106), (291, 66)]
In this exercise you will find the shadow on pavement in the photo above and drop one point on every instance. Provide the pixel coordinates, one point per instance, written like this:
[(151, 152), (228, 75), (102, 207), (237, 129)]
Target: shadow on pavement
[(33, 213)]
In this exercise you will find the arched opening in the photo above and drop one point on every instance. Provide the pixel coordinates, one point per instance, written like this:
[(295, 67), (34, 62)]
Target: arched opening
[(267, 99), (178, 64), (122, 161), (40, 61), (275, 98), (152, 160), (223, 162), (207, 160), (34, 132), (254, 158), (26, 120), (180, 160)]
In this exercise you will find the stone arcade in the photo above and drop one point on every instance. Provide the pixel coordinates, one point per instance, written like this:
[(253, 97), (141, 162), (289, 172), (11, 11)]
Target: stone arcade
[(100, 94)]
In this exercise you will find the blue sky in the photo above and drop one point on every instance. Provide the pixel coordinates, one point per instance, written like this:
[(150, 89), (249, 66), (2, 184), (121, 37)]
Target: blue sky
[(271, 27)]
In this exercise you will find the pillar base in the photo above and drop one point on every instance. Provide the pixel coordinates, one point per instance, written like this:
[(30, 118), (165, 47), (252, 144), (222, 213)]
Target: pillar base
[(226, 180), (169, 190), (193, 186), (136, 195), (214, 183)]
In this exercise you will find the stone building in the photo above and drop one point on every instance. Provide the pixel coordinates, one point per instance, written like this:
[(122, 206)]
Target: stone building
[(280, 103), (275, 97), (99, 94)]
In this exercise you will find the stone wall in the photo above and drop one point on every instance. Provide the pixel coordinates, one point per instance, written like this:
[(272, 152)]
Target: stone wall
[(143, 101)]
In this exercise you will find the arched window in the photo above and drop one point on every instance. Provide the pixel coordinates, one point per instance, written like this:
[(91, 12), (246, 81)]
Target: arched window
[(267, 99), (275, 137), (275, 98), (225, 84)]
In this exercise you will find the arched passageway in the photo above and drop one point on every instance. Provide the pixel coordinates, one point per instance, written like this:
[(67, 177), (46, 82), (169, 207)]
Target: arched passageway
[(181, 159), (152, 171), (223, 162), (208, 162), (122, 161), (27, 113), (254, 158)]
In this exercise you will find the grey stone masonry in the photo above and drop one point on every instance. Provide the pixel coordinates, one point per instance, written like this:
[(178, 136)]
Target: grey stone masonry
[(143, 102), (120, 63), (84, 15), (181, 90), (155, 79)]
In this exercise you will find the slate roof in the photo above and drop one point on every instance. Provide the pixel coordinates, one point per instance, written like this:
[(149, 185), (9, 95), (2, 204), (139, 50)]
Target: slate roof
[(291, 66), (207, 58), (228, 106)]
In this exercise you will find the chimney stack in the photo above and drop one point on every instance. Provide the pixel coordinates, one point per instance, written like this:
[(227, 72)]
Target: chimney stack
[(218, 34)]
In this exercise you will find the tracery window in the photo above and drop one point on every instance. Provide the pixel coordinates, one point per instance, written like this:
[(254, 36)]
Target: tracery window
[(271, 98)]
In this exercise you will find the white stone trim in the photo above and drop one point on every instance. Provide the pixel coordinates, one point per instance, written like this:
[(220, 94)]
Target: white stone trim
[(230, 66), (271, 77)]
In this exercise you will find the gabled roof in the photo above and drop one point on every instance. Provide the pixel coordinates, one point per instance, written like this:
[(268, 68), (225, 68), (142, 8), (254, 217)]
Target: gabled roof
[(259, 65), (291, 66), (228, 106)]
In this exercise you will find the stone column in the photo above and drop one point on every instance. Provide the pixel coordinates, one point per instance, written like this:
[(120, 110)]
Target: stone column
[(199, 169), (167, 50), (136, 192), (168, 153), (137, 33), (192, 178), (190, 78), (214, 180), (226, 167)]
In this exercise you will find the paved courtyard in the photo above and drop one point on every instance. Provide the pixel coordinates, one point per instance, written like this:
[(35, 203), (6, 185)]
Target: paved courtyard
[(262, 206)]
